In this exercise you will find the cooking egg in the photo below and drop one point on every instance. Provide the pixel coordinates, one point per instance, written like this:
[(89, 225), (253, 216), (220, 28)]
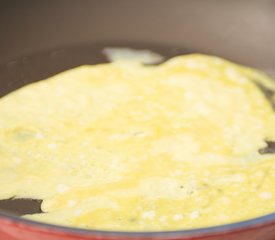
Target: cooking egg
[(128, 147)]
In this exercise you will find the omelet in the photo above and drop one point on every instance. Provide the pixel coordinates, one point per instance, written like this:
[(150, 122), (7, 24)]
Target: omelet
[(128, 147)]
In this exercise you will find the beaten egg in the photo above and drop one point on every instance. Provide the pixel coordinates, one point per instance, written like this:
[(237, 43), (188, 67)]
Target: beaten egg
[(123, 146)]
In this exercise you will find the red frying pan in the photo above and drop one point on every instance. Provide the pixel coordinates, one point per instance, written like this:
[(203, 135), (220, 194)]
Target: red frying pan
[(41, 38)]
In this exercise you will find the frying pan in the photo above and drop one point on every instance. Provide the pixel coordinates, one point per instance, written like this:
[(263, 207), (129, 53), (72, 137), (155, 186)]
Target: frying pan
[(41, 38)]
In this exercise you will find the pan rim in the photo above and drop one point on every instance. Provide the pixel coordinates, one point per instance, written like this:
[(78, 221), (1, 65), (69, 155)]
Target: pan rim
[(254, 223)]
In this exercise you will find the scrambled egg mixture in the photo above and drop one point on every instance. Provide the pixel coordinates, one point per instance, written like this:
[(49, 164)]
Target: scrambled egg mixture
[(122, 146)]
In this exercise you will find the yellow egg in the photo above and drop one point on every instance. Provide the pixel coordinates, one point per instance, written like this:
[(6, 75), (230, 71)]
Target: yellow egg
[(122, 146)]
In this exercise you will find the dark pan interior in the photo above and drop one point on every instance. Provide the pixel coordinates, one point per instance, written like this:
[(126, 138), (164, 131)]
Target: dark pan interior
[(42, 38), (30, 68)]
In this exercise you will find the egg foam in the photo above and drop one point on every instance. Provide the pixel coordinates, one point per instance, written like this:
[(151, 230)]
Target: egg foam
[(127, 147)]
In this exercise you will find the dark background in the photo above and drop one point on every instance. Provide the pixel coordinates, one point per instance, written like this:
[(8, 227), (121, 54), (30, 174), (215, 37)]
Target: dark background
[(240, 30)]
